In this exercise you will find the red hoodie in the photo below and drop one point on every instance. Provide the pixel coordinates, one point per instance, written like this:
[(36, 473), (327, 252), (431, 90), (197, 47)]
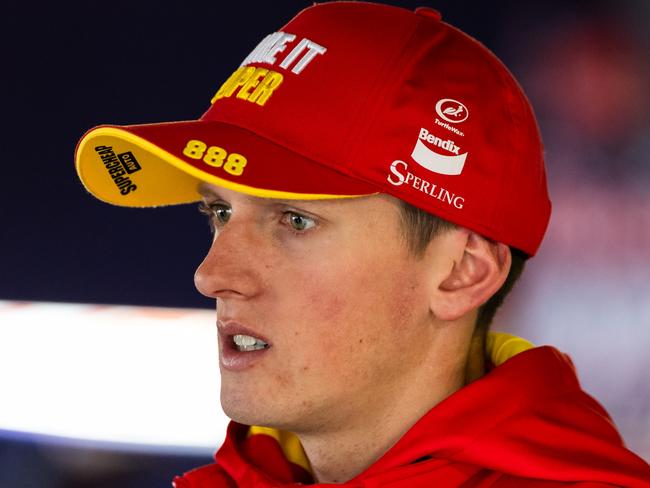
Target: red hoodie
[(526, 423)]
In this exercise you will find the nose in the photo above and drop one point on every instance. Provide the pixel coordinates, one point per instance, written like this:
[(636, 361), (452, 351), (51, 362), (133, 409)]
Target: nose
[(231, 267)]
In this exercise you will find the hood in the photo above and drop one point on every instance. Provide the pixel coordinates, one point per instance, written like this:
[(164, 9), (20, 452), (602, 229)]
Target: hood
[(527, 418)]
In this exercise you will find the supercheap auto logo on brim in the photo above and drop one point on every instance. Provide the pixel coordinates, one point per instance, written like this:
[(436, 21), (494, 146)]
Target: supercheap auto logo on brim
[(119, 167)]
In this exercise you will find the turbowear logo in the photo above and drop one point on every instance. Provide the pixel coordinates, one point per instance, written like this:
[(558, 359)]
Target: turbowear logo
[(451, 110), (400, 175), (433, 161)]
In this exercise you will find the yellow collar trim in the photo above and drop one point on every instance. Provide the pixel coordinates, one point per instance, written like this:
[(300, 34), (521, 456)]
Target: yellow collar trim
[(289, 443), (501, 346)]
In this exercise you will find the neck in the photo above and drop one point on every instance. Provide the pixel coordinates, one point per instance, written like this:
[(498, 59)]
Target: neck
[(341, 456)]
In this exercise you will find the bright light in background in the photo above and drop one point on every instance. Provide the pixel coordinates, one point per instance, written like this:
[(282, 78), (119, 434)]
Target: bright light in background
[(135, 375)]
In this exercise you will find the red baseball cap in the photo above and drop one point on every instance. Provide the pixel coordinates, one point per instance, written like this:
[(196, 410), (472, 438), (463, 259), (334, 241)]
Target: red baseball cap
[(348, 99)]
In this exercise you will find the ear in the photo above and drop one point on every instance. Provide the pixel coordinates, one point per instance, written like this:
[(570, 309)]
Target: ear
[(479, 273)]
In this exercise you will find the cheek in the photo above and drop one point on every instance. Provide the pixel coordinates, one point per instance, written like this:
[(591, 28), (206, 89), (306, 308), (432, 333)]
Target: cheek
[(348, 310), (321, 309), (329, 304), (321, 292)]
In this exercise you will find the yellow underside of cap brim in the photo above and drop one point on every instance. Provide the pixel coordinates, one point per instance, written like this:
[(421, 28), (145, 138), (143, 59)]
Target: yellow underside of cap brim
[(164, 179)]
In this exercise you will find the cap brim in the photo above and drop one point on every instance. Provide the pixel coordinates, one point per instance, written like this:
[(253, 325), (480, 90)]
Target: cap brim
[(164, 164)]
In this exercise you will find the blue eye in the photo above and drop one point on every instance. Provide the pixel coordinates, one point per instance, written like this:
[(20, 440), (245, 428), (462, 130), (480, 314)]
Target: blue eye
[(299, 222), (218, 213)]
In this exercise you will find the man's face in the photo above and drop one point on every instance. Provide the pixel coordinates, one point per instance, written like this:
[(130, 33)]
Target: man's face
[(332, 290)]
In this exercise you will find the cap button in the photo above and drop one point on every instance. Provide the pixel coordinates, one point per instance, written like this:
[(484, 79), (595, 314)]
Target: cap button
[(429, 12)]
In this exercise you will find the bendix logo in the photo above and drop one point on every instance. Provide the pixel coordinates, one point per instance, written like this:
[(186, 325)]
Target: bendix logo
[(451, 110)]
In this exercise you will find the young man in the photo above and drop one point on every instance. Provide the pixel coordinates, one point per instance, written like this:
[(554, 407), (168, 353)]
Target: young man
[(374, 178)]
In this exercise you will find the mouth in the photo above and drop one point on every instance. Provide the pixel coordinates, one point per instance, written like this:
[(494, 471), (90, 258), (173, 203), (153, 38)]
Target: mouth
[(240, 347)]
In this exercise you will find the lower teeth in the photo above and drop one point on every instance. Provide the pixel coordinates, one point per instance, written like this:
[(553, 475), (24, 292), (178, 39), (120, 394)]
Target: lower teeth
[(250, 348)]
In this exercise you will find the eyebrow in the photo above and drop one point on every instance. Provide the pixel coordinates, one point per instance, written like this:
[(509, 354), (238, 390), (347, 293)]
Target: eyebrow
[(206, 191)]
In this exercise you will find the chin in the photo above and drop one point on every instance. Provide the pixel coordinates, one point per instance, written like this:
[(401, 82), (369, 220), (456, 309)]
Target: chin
[(260, 412), (245, 409)]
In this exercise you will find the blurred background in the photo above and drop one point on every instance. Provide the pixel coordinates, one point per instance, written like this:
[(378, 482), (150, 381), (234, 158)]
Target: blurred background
[(94, 395)]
